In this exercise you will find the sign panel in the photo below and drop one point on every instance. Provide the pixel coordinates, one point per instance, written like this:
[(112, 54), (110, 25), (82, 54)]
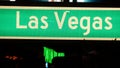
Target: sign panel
[(59, 22)]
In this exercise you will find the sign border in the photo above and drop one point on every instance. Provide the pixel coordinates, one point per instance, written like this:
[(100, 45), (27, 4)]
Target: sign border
[(58, 8)]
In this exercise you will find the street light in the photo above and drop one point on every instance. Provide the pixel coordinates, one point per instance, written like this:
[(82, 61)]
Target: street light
[(12, 0), (80, 0), (55, 0)]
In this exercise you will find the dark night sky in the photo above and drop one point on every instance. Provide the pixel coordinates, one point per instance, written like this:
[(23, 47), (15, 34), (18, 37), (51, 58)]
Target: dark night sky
[(97, 54), (68, 0), (87, 3), (101, 53)]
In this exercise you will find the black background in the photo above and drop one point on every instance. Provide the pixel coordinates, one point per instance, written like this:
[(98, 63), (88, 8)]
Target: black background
[(66, 3), (78, 53)]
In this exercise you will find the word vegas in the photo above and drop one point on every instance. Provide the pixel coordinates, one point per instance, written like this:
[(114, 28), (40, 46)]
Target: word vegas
[(84, 22)]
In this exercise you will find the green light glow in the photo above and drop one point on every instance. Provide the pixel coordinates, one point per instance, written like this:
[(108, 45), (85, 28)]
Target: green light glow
[(49, 54)]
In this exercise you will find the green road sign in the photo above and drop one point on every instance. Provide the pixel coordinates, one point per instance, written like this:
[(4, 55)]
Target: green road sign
[(59, 22)]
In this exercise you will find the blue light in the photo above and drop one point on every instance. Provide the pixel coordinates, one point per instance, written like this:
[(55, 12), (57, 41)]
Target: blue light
[(46, 65)]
